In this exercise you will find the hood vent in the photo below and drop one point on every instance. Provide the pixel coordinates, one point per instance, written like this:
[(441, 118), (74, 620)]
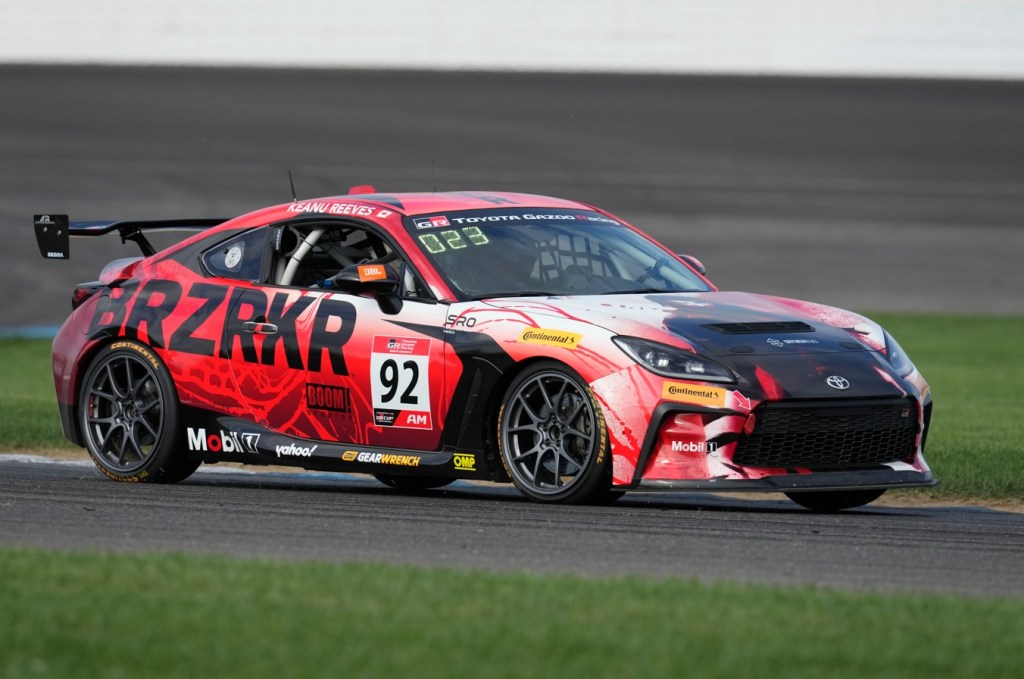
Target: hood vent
[(771, 327)]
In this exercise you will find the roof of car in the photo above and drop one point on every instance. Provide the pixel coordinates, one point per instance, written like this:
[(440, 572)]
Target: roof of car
[(425, 203)]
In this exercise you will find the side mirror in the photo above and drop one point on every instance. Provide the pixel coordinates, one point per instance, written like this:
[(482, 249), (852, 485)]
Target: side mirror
[(375, 281), (693, 261)]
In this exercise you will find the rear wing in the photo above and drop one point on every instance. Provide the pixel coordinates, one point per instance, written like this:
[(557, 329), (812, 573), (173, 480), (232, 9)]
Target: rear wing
[(53, 232)]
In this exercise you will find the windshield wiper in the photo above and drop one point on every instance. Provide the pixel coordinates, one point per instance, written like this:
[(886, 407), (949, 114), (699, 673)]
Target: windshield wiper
[(642, 291), (515, 293)]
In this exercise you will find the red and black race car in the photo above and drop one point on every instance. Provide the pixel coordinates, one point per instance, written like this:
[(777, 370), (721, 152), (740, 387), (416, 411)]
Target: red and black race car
[(424, 338)]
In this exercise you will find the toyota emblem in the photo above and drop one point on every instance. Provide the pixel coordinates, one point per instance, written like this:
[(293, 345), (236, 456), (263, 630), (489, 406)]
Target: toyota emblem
[(837, 382)]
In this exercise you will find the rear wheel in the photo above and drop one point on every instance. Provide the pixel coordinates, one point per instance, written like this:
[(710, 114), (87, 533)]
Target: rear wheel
[(835, 500), (413, 483), (129, 416), (552, 437)]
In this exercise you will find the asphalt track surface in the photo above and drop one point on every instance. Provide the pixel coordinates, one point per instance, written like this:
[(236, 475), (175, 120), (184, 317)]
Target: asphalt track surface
[(866, 194), (947, 550)]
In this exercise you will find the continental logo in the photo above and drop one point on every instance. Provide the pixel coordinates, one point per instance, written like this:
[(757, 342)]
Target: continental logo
[(138, 349), (554, 338), (712, 397), (464, 462), (391, 459)]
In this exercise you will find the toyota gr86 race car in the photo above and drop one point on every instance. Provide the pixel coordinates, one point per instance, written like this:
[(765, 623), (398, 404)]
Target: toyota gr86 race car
[(424, 338)]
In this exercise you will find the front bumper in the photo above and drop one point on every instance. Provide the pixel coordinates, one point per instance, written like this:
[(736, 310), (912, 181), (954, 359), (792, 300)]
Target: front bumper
[(862, 479)]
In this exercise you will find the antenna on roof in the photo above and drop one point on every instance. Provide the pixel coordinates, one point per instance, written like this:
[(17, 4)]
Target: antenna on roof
[(433, 173), (292, 182)]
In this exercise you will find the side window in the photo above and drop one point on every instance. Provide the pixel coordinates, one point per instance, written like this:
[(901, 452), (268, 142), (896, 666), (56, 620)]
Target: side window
[(240, 258), (309, 256)]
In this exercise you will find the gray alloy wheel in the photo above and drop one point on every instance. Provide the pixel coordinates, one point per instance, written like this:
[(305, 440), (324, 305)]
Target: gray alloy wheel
[(834, 500), (552, 436), (129, 416)]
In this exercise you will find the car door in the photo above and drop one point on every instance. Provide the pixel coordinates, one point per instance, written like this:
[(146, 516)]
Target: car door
[(313, 362), (392, 395)]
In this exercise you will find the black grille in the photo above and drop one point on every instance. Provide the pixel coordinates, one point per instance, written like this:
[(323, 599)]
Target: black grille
[(774, 328), (829, 436)]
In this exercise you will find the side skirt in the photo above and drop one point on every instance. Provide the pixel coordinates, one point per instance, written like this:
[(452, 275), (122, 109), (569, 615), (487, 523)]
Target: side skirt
[(212, 437)]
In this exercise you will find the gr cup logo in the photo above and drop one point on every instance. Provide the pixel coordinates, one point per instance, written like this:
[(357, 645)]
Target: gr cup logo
[(223, 442)]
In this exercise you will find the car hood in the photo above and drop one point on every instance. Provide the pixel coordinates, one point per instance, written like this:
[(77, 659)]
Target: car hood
[(716, 324)]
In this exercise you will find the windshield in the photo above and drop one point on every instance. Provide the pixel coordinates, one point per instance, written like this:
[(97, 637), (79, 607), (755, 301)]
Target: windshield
[(545, 251)]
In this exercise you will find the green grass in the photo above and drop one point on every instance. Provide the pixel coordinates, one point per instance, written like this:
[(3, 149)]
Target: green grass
[(142, 615), (28, 405), (974, 365)]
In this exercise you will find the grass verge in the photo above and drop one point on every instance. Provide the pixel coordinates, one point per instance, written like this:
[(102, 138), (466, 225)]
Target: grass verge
[(29, 420), (976, 446), (974, 367), (175, 615)]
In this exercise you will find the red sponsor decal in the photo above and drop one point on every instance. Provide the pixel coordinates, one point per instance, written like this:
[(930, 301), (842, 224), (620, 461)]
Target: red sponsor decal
[(410, 346)]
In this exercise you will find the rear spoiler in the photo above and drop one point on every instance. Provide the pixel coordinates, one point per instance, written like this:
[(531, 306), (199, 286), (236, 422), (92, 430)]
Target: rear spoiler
[(53, 232)]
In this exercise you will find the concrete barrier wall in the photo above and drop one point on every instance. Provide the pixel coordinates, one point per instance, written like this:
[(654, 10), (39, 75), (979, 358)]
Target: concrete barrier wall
[(930, 38)]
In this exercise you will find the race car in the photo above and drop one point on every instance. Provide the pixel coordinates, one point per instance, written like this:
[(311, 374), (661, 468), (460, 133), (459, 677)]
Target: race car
[(429, 337)]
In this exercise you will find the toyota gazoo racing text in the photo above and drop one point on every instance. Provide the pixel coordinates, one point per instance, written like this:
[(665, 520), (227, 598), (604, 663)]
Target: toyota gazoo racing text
[(424, 338)]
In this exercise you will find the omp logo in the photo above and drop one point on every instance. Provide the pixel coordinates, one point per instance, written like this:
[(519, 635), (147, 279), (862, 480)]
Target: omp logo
[(225, 441), (555, 338), (706, 396), (464, 461), (292, 450), (694, 446)]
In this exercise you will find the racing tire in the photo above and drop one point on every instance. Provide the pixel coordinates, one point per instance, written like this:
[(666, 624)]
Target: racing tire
[(130, 416), (552, 437), (411, 484), (827, 501)]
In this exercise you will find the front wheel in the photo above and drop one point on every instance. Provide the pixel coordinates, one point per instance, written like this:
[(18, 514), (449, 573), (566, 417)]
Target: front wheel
[(129, 416), (552, 436), (834, 500)]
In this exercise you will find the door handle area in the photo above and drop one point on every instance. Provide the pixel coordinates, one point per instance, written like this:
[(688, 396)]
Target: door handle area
[(260, 328)]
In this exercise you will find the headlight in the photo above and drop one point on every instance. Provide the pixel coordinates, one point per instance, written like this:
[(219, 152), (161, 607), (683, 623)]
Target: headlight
[(898, 358), (671, 362)]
